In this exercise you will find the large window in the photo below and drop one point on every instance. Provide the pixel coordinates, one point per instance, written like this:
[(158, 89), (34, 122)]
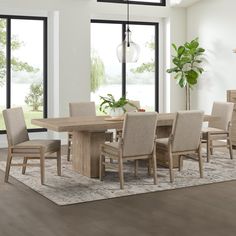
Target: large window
[(136, 81), (23, 66), (141, 2)]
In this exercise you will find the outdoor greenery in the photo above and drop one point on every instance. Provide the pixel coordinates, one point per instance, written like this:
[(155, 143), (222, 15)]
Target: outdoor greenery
[(35, 96), (109, 102), (16, 64), (97, 76), (147, 66)]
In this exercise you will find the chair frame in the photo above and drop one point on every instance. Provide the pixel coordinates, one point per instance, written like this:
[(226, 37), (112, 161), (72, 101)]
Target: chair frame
[(120, 158), (20, 148), (180, 155), (218, 135), (224, 133), (38, 154)]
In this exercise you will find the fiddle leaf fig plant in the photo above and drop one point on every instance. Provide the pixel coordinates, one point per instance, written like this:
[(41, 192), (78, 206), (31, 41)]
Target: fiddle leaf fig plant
[(109, 102), (187, 65)]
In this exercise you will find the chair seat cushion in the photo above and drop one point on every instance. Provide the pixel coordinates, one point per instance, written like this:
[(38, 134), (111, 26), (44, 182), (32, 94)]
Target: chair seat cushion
[(221, 134), (32, 146), (211, 129), (162, 143)]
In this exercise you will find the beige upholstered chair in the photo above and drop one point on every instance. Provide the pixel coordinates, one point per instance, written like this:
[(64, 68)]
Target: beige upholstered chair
[(137, 142), (184, 139), (19, 144), (220, 129), (83, 109), (130, 108)]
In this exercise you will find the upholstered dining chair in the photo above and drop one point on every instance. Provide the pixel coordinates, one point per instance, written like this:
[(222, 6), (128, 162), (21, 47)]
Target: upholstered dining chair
[(83, 109), (184, 139), (219, 129), (19, 144), (130, 108), (137, 142)]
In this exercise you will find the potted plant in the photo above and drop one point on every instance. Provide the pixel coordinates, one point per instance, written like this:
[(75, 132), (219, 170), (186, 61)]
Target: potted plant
[(115, 107), (187, 69)]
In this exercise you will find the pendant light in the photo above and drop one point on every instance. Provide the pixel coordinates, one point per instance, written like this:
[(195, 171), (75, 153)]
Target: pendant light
[(128, 51)]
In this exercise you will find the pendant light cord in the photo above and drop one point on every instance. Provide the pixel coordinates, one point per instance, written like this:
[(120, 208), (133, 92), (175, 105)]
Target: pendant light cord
[(128, 30)]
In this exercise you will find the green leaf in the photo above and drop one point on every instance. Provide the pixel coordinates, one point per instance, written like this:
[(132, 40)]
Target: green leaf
[(194, 44), (192, 77), (171, 70), (182, 82), (175, 47), (181, 51), (178, 77)]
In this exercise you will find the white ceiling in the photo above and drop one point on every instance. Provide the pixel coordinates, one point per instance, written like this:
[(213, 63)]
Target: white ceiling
[(183, 3)]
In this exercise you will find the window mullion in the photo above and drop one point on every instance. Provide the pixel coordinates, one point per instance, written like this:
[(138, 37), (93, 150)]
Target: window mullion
[(157, 67), (45, 70), (8, 64), (123, 65)]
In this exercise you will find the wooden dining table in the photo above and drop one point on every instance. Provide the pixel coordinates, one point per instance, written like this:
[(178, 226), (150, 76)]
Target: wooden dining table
[(89, 133)]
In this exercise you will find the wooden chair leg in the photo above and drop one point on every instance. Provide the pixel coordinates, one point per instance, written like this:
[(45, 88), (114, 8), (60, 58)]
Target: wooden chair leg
[(136, 168), (42, 167), (171, 167), (121, 173), (149, 165), (208, 147), (200, 162), (154, 160), (230, 147), (24, 165), (180, 163), (211, 147), (101, 167), (8, 166), (59, 162), (68, 150)]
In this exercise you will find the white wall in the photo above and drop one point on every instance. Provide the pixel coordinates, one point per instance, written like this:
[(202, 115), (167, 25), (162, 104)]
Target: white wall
[(213, 21), (69, 45)]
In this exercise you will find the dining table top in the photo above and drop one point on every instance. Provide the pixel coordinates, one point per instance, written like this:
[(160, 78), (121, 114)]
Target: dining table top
[(99, 123)]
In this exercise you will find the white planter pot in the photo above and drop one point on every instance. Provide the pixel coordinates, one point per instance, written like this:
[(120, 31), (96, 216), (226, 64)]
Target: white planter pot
[(116, 111)]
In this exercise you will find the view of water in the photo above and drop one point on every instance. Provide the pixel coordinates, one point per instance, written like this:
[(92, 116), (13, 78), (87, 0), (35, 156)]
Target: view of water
[(144, 93)]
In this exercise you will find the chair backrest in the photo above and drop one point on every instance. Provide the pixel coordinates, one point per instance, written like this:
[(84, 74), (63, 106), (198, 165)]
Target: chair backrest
[(224, 110), (82, 109), (138, 134), (130, 108), (15, 126), (186, 131)]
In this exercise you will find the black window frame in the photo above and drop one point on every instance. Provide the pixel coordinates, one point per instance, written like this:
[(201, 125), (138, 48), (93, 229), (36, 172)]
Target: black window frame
[(45, 63), (157, 54), (162, 3)]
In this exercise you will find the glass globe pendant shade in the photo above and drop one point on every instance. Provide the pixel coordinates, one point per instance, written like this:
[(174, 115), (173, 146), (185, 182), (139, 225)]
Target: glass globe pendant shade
[(128, 51)]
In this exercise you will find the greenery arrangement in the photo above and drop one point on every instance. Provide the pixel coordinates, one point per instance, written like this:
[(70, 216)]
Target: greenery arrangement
[(109, 102), (187, 69)]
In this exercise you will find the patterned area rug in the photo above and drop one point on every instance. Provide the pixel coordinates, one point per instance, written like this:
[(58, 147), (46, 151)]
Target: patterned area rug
[(73, 188)]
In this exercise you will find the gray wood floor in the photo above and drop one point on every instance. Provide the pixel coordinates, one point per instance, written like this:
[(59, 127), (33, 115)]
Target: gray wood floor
[(205, 210)]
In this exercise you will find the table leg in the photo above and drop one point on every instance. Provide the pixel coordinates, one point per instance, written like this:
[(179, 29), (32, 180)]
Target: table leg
[(86, 151)]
